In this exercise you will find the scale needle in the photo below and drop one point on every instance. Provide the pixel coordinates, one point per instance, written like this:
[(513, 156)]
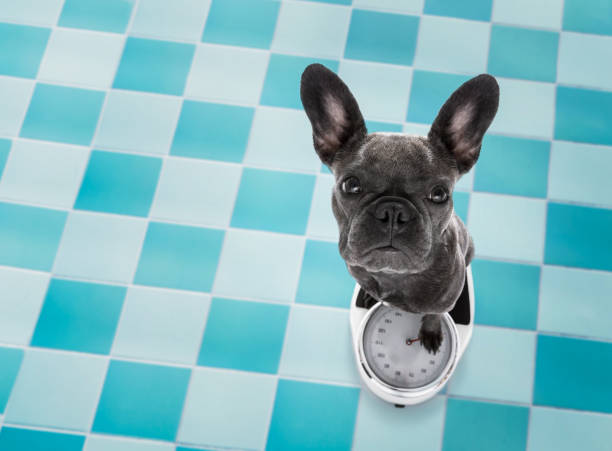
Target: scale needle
[(409, 341)]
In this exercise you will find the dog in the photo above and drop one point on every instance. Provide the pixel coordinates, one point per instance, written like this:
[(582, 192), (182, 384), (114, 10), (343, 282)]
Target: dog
[(392, 199)]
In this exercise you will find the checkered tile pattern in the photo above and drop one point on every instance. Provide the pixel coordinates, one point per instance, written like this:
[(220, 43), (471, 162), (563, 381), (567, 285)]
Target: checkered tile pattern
[(169, 274)]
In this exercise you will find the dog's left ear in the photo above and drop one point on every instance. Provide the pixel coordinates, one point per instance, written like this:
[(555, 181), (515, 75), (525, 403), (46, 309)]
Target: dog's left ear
[(464, 119)]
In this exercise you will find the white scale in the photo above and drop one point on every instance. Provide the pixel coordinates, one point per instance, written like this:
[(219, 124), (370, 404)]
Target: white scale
[(392, 362)]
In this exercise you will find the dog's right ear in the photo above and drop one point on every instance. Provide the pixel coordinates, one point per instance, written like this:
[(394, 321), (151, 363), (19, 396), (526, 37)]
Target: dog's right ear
[(332, 110)]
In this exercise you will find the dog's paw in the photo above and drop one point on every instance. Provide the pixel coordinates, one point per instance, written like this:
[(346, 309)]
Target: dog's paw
[(430, 334)]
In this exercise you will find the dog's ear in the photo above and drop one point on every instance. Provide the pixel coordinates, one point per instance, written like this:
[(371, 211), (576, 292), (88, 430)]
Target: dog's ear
[(332, 110), (464, 119)]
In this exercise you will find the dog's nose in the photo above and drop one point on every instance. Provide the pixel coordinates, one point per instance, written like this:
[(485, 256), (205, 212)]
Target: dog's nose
[(393, 214)]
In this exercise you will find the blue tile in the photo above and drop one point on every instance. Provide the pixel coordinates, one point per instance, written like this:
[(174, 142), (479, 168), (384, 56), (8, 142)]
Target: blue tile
[(21, 49), (39, 12), (10, 362), (15, 94), (29, 236), (461, 204), (281, 86), (321, 223), (507, 293), (475, 426), (311, 416), (574, 236), (590, 16), (213, 131), (119, 183), (142, 400), (16, 439), (176, 256), (513, 166), (238, 22), (558, 361), (244, 335), (101, 15), (470, 9), (154, 66), (59, 113), (523, 53), (180, 20), (377, 126), (543, 14), (585, 68), (429, 92), (79, 316), (582, 115), (324, 279), (273, 200), (5, 148), (382, 37)]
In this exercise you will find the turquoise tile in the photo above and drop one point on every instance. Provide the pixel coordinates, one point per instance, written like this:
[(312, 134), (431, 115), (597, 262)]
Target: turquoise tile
[(244, 335), (429, 92), (237, 22), (564, 430), (100, 247), (582, 115), (507, 294), (470, 9), (377, 126), (110, 443), (452, 45), (558, 361), (119, 183), (66, 393), (273, 200), (461, 203), (382, 37), (79, 316), (15, 94), (5, 148), (154, 66), (559, 310), (29, 236), (523, 53), (161, 325), (10, 362), (513, 166), (101, 15), (248, 259), (21, 49), (475, 426), (309, 416), (321, 222), (543, 14), (142, 400), (585, 68), (39, 12), (181, 20), (400, 6), (315, 29), (176, 256), (16, 439), (215, 396), (281, 86), (324, 279), (59, 113), (212, 131), (574, 236), (590, 16)]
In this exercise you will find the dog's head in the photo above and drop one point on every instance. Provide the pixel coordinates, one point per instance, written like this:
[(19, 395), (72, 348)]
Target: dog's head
[(393, 192)]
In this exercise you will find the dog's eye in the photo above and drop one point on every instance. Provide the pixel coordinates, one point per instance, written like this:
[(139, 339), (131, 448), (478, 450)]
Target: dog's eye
[(438, 194), (351, 185)]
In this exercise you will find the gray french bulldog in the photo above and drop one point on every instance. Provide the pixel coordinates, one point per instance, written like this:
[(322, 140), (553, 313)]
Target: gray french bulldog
[(399, 235)]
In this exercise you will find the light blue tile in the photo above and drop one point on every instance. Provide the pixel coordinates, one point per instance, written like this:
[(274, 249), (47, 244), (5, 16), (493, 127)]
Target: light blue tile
[(100, 247), (154, 66), (452, 45), (238, 22), (216, 395), (395, 42), (16, 439), (400, 6), (10, 359), (161, 325), (559, 359), (582, 115), (59, 113), (213, 131), (43, 173), (507, 227), (222, 73), (79, 316), (381, 91), (5, 149), (249, 259), (29, 236), (196, 192), (182, 257), (590, 16), (181, 20), (138, 122), (244, 335), (142, 400), (338, 2), (586, 68), (57, 390), (15, 94), (470, 9), (461, 204), (466, 182), (314, 29), (319, 346), (321, 221), (110, 443), (544, 13), (21, 49), (565, 430), (101, 15), (36, 12), (377, 126)]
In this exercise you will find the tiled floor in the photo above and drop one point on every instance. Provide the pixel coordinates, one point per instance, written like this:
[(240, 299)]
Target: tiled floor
[(169, 276)]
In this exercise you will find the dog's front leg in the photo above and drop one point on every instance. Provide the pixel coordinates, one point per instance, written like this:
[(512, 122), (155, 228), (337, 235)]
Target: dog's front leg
[(430, 334)]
